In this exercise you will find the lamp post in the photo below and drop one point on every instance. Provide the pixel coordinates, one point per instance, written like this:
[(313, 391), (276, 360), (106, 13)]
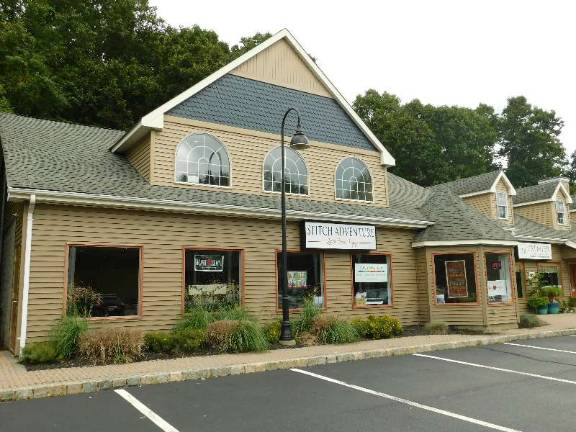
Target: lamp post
[(298, 142)]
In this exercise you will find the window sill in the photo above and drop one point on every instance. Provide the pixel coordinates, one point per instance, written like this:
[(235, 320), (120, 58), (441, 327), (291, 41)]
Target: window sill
[(117, 317), (374, 306)]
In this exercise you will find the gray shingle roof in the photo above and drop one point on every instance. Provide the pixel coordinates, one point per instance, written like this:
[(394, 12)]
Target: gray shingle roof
[(55, 156), (473, 184), (535, 193), (256, 105)]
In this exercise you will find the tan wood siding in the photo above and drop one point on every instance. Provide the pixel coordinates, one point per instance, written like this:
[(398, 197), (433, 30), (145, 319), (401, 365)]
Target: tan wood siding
[(247, 150), (139, 156), (162, 237), (279, 64), (485, 203), (542, 213)]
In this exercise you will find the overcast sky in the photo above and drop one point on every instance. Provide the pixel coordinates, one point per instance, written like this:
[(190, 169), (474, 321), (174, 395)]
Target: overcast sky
[(442, 52)]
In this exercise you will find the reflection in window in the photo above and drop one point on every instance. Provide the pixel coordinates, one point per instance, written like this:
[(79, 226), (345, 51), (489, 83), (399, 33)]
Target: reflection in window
[(550, 274), (502, 204), (561, 212), (353, 180), (304, 278), (296, 172), (455, 278), (371, 280), (498, 278), (202, 159)]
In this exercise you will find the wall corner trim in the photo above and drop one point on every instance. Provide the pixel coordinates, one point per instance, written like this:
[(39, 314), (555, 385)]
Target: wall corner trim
[(26, 278)]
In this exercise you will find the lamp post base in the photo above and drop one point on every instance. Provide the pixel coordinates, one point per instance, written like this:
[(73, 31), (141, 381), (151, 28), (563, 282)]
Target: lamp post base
[(289, 342)]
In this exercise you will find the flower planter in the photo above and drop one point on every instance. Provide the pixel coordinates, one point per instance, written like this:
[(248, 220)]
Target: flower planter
[(553, 308), (542, 310)]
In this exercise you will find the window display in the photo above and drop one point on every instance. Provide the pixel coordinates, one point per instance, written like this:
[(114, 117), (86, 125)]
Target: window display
[(305, 278), (455, 278), (498, 282), (371, 280)]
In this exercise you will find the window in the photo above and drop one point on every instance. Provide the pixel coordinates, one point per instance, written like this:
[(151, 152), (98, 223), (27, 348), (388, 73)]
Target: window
[(561, 212), (498, 281), (520, 284), (212, 278), (103, 281), (371, 280), (202, 159), (305, 279), (502, 204), (550, 274), (296, 172), (455, 278), (353, 180)]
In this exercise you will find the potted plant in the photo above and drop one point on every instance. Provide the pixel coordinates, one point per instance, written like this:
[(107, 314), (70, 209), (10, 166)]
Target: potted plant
[(552, 292), (539, 304)]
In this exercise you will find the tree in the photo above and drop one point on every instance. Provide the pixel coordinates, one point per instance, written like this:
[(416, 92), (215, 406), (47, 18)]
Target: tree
[(530, 142)]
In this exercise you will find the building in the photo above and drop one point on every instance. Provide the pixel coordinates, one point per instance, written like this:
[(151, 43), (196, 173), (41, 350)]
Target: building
[(186, 204)]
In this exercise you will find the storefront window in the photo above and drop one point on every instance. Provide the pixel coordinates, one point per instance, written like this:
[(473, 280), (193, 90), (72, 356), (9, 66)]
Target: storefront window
[(305, 278), (455, 278), (371, 280), (212, 278), (498, 281), (550, 274), (103, 281)]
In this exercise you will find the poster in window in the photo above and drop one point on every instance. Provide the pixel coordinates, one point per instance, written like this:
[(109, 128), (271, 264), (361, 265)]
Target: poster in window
[(497, 288), (370, 272), (208, 263), (456, 282), (297, 279)]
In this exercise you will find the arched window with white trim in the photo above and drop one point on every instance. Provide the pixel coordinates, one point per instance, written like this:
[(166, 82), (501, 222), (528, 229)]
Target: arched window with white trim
[(296, 172), (353, 180), (202, 159)]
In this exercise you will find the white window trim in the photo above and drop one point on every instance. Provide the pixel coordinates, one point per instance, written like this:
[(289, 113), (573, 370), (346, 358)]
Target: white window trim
[(564, 213), (307, 194), (373, 200), (506, 206)]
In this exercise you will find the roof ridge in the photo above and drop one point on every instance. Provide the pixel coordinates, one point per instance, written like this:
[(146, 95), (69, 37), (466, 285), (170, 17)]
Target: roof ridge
[(60, 122), (466, 178)]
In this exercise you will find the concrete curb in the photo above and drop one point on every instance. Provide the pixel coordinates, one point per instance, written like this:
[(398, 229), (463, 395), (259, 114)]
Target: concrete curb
[(90, 386)]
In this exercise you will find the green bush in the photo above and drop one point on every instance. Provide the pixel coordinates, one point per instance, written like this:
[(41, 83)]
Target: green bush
[(537, 302), (235, 336), (305, 321), (39, 352), (378, 327), (332, 330), (160, 342), (551, 291), (529, 321), (436, 328), (235, 313), (200, 317), (188, 341), (66, 335), (272, 331)]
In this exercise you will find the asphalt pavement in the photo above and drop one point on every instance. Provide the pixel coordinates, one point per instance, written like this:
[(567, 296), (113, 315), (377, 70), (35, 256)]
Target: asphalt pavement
[(524, 386)]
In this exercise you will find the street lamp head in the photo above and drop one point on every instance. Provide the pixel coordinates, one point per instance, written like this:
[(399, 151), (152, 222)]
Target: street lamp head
[(299, 140)]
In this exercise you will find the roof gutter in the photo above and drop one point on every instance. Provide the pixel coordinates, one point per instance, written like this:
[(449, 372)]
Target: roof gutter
[(464, 243), (82, 199)]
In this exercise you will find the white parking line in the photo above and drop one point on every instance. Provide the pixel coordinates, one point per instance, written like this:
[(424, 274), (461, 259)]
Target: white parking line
[(540, 348), (408, 402), (533, 375), (152, 416)]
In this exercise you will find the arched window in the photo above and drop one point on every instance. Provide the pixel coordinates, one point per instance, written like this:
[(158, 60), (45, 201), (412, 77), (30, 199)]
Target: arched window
[(296, 172), (202, 159), (353, 180)]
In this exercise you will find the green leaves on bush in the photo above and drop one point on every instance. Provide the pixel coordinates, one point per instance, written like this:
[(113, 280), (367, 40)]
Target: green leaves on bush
[(272, 331), (183, 341), (235, 336), (529, 321), (378, 327), (39, 352), (332, 330), (66, 335), (304, 322), (200, 318)]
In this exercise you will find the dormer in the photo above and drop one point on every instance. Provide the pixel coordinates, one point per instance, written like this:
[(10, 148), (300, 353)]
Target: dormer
[(546, 203), (490, 194)]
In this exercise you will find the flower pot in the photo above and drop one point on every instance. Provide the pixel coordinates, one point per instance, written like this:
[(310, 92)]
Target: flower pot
[(553, 308), (542, 310)]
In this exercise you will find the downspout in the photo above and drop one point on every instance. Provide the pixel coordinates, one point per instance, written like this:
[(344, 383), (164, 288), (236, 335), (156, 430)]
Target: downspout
[(26, 278)]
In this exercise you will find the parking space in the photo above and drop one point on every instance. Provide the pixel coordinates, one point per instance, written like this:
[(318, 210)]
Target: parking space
[(524, 386)]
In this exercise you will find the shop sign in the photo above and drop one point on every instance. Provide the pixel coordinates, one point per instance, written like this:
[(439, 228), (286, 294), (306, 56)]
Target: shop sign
[(370, 272), (456, 282), (321, 235), (535, 251), (297, 279), (497, 288), (208, 263)]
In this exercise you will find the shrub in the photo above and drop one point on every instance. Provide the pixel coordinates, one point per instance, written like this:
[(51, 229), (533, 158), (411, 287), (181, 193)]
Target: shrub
[(200, 317), (81, 300), (568, 305), (332, 330), (39, 352), (305, 321), (66, 335), (114, 345), (235, 313), (159, 342), (436, 328), (272, 331), (529, 321), (188, 341), (551, 291), (537, 302), (235, 336), (378, 327)]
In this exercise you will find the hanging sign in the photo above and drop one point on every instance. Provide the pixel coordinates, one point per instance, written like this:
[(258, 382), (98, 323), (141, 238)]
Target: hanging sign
[(368, 272), (535, 251), (322, 235), (209, 263), (456, 282)]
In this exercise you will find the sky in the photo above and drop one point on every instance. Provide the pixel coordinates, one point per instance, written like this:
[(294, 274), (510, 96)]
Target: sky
[(442, 52)]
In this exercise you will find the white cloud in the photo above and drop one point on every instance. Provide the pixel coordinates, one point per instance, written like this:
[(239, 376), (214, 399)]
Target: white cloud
[(443, 52)]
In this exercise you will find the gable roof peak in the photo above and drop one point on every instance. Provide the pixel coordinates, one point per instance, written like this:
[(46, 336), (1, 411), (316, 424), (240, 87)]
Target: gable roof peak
[(478, 184)]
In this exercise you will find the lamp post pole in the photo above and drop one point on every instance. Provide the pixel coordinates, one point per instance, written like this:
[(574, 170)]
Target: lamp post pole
[(298, 141)]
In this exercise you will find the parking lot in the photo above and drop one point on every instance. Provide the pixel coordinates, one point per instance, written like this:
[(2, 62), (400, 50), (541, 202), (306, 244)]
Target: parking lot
[(523, 386)]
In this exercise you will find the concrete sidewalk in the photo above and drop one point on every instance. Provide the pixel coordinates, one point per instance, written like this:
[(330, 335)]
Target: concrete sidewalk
[(16, 383)]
